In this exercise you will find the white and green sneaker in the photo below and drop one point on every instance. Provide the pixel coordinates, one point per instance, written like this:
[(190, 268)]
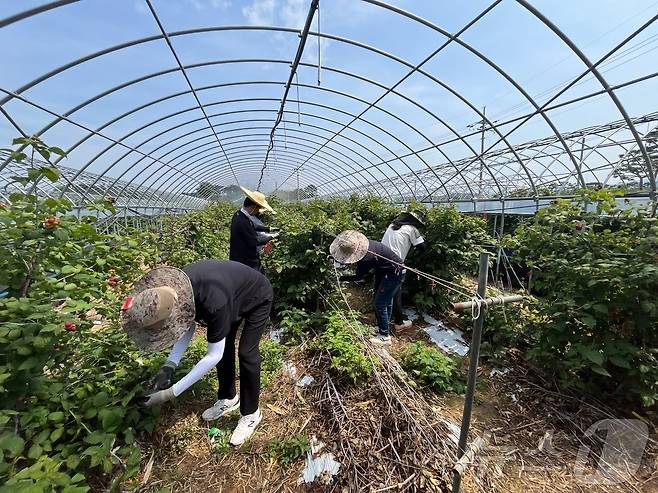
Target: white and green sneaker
[(246, 427), (381, 340), (221, 408)]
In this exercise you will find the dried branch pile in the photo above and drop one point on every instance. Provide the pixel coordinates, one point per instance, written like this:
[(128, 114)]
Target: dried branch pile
[(390, 437)]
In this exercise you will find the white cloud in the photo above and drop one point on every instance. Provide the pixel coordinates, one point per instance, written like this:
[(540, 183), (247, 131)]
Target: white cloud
[(141, 7), (260, 12), (200, 5), (293, 13), (288, 13)]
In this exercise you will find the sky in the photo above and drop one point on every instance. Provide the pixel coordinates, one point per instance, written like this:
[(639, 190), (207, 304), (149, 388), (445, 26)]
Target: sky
[(241, 89)]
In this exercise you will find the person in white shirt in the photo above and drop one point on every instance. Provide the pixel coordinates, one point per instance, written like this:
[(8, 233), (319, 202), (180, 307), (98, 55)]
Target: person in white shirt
[(402, 235)]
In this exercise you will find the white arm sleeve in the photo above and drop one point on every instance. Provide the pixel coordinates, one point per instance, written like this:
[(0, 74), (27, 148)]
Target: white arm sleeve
[(181, 345), (207, 363), (416, 238)]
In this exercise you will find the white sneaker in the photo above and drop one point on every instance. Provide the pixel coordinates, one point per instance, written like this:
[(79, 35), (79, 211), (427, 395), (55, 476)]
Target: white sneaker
[(404, 325), (381, 340), (220, 408), (374, 331), (246, 427)]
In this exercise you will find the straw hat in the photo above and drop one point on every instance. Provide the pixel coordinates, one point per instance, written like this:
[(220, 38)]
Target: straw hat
[(349, 247), (419, 215), (259, 198), (160, 309)]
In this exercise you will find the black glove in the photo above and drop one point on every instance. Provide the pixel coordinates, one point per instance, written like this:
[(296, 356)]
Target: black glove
[(164, 378)]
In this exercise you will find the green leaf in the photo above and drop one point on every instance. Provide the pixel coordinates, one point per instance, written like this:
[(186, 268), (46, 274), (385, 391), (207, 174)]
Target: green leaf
[(601, 371), (56, 416), (13, 444), (50, 172), (34, 452), (620, 362), (57, 150), (594, 356), (72, 461), (588, 320), (61, 234), (598, 307), (56, 434)]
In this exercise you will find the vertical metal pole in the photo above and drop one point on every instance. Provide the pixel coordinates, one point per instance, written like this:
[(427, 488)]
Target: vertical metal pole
[(473, 366), (502, 231), (483, 127)]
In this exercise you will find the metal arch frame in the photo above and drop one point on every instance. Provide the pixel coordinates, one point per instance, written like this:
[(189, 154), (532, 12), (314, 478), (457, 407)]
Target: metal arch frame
[(252, 128), (604, 83), (631, 127), (591, 68), (325, 160), (553, 107), (271, 99), (626, 153), (189, 83), (391, 89), (326, 107), (224, 28), (539, 146), (186, 159), (142, 78), (185, 92)]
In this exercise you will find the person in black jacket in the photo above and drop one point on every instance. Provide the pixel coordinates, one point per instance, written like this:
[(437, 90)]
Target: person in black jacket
[(162, 311), (244, 237)]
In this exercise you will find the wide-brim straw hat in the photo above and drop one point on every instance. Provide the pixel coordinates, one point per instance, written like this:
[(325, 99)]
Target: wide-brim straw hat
[(259, 198), (160, 309), (419, 215), (349, 247)]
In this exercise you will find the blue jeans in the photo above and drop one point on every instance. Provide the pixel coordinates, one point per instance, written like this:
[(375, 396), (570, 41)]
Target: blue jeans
[(385, 290)]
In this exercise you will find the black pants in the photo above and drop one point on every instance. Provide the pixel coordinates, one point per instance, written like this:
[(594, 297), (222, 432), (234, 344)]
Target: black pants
[(249, 357)]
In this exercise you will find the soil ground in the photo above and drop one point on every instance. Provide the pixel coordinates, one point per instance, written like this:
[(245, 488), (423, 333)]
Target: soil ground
[(534, 434)]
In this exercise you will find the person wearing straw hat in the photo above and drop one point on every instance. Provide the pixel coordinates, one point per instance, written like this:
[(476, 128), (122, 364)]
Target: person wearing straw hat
[(245, 241), (352, 247), (263, 233), (162, 311), (401, 236)]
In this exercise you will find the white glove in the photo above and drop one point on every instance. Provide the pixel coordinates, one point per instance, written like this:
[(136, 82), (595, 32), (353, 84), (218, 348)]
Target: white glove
[(157, 398)]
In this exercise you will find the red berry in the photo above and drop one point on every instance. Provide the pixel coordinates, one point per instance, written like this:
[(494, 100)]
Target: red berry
[(70, 326), (50, 222), (113, 281), (579, 226)]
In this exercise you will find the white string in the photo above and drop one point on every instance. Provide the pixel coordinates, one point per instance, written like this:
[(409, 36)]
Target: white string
[(457, 288), (451, 286)]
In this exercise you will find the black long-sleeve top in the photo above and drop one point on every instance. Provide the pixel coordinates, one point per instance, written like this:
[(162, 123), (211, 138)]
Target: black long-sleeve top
[(389, 263), (244, 241), (223, 292)]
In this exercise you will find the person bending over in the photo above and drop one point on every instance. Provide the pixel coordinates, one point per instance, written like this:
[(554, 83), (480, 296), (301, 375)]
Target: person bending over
[(352, 247), (401, 236), (162, 311)]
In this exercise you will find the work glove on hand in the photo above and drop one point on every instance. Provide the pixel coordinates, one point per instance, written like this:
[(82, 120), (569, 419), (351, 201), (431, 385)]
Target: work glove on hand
[(157, 398), (164, 378)]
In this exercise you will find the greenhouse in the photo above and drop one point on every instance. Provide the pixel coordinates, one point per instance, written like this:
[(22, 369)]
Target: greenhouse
[(492, 163)]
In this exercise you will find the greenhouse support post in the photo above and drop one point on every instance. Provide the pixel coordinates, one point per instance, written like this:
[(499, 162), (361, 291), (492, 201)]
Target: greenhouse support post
[(473, 366), (482, 302)]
